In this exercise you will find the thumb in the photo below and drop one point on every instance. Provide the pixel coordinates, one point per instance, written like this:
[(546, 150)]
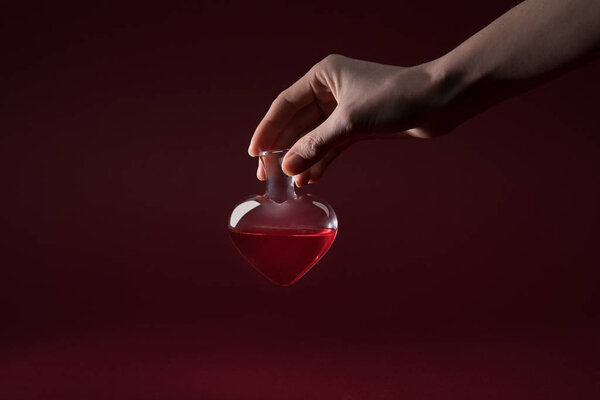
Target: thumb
[(313, 146)]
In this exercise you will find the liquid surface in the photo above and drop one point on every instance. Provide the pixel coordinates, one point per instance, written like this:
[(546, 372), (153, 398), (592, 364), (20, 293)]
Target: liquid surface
[(283, 255)]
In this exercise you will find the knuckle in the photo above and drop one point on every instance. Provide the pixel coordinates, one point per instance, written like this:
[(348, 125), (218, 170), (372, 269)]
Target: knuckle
[(331, 60), (275, 102), (311, 145), (282, 98)]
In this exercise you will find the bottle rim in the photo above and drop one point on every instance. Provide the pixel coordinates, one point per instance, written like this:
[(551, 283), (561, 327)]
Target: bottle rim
[(264, 153)]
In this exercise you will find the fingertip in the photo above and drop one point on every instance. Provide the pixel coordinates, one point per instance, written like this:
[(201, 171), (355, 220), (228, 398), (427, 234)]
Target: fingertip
[(293, 164), (316, 173), (302, 179), (260, 172), (252, 151)]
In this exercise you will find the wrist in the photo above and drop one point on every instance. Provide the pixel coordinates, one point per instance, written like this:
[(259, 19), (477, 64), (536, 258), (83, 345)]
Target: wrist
[(451, 79)]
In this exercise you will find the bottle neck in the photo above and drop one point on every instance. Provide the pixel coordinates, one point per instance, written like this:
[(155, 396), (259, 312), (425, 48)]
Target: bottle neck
[(280, 187)]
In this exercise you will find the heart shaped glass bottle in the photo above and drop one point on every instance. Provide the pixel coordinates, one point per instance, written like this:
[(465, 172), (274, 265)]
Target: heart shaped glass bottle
[(281, 234)]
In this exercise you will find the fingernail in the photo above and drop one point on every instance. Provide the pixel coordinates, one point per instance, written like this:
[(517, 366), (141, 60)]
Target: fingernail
[(293, 164)]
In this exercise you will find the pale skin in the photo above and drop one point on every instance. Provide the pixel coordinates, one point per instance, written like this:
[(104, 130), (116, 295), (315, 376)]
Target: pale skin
[(341, 101)]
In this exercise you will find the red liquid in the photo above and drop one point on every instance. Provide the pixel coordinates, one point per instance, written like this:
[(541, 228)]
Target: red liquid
[(283, 255)]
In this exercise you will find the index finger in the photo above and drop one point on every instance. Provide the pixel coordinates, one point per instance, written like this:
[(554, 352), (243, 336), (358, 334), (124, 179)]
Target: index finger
[(281, 112)]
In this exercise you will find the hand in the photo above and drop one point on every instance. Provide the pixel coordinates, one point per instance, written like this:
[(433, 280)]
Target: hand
[(341, 101)]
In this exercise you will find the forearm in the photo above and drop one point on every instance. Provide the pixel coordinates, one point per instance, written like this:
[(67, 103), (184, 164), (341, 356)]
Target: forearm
[(533, 42)]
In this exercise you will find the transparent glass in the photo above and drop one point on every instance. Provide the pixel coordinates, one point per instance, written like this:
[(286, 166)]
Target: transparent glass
[(281, 234)]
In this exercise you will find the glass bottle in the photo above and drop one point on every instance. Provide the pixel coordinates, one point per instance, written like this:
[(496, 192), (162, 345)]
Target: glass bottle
[(281, 234)]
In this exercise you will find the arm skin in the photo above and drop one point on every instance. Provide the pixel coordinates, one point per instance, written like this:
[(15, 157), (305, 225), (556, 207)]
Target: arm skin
[(532, 43), (341, 100)]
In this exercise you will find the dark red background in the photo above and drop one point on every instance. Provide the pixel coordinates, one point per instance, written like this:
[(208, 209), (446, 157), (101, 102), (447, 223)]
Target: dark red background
[(465, 267)]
